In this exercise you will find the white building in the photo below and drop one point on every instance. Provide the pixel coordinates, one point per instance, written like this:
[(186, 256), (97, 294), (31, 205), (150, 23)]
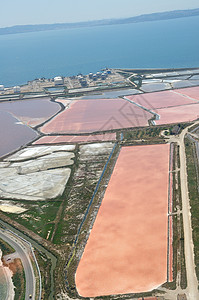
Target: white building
[(17, 89), (58, 80), (1, 87)]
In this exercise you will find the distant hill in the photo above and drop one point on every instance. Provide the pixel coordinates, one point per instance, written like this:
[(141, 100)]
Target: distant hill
[(142, 18)]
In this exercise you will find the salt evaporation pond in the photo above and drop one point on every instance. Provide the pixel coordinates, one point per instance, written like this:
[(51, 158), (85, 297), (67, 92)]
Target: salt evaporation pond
[(33, 111), (16, 115), (13, 134)]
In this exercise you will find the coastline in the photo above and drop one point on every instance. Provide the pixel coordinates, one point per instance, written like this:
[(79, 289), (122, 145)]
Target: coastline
[(151, 17), (7, 273)]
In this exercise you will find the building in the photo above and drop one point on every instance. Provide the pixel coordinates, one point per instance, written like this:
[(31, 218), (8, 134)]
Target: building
[(17, 89), (104, 76), (58, 80), (1, 87), (90, 75), (175, 130), (83, 83), (98, 74)]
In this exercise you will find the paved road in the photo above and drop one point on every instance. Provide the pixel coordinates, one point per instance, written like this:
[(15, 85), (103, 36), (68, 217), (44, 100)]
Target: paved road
[(23, 253), (192, 282)]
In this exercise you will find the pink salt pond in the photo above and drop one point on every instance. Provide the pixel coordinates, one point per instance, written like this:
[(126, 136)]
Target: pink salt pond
[(127, 248)]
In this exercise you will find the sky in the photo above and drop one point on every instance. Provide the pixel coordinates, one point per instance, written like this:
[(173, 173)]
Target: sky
[(22, 12)]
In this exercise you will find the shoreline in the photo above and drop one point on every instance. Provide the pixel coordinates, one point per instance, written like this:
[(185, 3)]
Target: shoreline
[(8, 278), (149, 17)]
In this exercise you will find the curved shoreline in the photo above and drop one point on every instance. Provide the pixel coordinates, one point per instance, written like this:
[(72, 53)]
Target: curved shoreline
[(8, 278)]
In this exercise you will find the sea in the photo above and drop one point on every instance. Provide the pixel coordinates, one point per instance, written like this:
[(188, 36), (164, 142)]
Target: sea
[(160, 44)]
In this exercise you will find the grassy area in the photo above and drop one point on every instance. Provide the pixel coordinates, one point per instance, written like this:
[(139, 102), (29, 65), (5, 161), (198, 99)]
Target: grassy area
[(177, 203), (45, 266), (152, 134), (39, 217), (178, 156), (178, 231), (183, 279), (172, 285), (6, 248), (78, 196), (193, 195), (143, 133)]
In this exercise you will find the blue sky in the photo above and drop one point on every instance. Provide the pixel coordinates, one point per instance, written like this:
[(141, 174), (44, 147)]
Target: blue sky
[(20, 12)]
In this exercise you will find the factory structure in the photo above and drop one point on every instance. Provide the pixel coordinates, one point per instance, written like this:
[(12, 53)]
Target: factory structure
[(93, 77), (106, 78), (16, 89), (58, 80), (100, 75)]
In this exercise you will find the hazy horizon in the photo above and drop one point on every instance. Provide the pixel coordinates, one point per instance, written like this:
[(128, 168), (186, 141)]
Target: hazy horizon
[(34, 12)]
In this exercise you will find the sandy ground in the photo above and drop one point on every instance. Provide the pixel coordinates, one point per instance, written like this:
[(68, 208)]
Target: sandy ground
[(5, 272), (95, 149), (65, 102), (149, 298), (12, 209), (127, 248), (31, 122)]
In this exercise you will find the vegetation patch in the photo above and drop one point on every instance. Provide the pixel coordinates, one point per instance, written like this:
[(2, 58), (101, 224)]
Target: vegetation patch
[(183, 279), (6, 248), (39, 218), (45, 267), (80, 190), (145, 135), (18, 278), (193, 195)]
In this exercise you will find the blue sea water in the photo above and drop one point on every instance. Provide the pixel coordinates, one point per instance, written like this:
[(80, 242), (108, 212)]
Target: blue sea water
[(160, 44)]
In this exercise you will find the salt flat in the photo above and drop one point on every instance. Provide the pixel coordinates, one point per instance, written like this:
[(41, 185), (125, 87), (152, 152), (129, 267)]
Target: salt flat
[(37, 151), (35, 186), (36, 173), (53, 160), (95, 149)]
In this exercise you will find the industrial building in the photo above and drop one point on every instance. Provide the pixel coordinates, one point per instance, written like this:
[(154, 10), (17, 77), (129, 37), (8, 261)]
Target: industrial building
[(58, 80), (90, 75), (17, 89)]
